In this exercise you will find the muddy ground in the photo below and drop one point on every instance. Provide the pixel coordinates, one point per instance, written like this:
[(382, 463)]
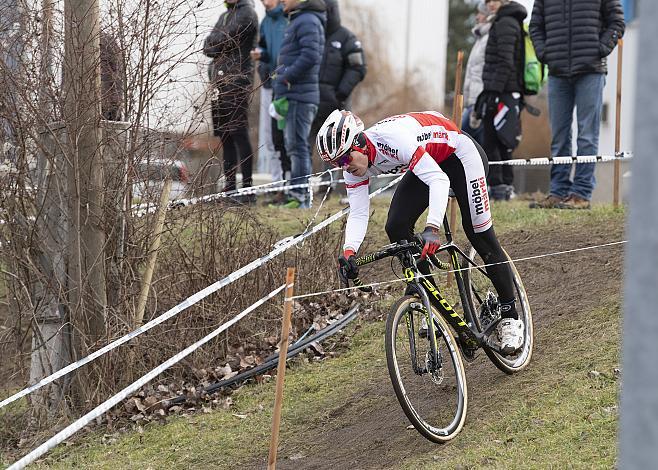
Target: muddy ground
[(363, 435)]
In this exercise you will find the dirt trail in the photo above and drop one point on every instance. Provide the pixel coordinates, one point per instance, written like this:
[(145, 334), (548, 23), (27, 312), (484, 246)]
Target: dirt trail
[(370, 434)]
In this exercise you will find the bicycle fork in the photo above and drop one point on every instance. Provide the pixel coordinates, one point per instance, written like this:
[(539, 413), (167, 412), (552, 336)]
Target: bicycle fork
[(434, 362)]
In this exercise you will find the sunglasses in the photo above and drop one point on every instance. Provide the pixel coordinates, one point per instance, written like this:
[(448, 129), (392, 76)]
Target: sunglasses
[(343, 160), (346, 158)]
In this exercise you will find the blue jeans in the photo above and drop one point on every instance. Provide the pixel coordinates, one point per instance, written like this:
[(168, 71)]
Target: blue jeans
[(585, 92), (296, 133)]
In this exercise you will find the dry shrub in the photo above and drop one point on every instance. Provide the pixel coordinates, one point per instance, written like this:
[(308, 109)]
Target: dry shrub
[(203, 245)]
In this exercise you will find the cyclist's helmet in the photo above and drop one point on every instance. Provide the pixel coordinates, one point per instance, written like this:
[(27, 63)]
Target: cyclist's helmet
[(341, 132)]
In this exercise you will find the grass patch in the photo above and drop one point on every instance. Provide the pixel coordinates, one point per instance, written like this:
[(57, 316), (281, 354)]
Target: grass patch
[(224, 437), (508, 216), (12, 418), (561, 416), (515, 215)]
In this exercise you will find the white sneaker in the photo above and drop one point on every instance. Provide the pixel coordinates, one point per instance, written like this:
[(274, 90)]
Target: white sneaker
[(510, 335)]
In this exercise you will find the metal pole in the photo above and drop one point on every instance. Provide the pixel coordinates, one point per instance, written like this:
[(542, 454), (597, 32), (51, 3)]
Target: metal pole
[(281, 369), (458, 102), (638, 436), (620, 55)]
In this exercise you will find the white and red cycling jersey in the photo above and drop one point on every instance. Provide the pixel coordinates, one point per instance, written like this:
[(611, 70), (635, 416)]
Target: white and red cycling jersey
[(418, 142)]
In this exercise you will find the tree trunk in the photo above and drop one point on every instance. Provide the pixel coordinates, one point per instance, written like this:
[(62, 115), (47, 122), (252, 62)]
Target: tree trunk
[(82, 112)]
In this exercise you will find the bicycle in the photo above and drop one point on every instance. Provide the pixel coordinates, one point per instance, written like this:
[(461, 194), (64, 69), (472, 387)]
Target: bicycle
[(427, 372)]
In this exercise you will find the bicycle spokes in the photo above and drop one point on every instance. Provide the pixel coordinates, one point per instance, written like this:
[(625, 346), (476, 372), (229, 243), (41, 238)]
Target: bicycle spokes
[(427, 375)]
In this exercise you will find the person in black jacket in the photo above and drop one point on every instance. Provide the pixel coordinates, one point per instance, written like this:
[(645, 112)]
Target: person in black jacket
[(231, 73), (574, 37), (343, 67), (499, 104)]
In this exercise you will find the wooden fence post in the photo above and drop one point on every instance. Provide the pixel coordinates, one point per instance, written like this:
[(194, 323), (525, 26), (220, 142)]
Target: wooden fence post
[(617, 174), (457, 109), (281, 369)]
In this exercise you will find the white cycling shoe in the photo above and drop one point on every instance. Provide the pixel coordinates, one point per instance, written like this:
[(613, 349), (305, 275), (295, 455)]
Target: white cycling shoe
[(510, 335)]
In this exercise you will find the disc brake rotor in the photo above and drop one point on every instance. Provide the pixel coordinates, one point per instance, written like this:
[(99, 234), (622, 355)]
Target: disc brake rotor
[(435, 370)]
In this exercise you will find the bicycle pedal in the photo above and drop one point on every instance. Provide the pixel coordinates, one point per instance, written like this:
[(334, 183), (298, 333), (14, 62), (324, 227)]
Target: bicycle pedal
[(492, 343)]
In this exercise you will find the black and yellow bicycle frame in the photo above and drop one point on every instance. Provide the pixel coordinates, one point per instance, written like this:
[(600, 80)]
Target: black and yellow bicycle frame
[(429, 294)]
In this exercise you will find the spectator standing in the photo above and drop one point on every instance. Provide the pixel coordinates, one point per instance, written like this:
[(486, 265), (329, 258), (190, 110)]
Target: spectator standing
[(231, 73), (296, 80), (499, 104), (271, 150), (574, 37), (473, 77), (343, 67)]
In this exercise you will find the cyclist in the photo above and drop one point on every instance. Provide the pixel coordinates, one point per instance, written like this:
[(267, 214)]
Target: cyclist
[(438, 156)]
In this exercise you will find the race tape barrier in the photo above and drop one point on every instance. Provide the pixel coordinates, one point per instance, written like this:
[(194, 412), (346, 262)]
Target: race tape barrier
[(148, 208), (564, 160), (133, 387), (142, 209), (275, 186), (188, 302)]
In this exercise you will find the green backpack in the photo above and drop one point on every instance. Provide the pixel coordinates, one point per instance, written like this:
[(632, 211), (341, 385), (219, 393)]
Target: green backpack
[(535, 73)]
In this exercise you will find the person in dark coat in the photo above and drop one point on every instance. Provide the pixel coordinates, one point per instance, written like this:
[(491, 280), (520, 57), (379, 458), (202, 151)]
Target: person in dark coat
[(499, 104), (574, 37), (296, 80), (343, 67), (231, 73), (343, 64)]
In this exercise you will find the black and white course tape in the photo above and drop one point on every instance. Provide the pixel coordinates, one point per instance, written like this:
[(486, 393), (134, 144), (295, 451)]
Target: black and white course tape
[(133, 387), (564, 160), (188, 302)]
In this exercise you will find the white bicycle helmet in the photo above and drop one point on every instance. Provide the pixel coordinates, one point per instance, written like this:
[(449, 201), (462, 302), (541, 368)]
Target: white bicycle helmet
[(337, 134)]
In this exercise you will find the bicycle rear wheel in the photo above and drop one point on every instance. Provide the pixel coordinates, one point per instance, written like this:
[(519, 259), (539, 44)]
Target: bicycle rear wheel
[(478, 288), (432, 392)]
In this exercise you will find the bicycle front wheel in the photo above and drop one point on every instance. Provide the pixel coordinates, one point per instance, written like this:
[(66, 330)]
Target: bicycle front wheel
[(431, 387)]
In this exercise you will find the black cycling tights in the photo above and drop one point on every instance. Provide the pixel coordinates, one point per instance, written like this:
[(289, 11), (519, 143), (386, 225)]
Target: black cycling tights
[(412, 198)]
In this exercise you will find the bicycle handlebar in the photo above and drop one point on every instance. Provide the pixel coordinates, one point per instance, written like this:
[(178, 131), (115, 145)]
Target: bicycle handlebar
[(387, 251), (394, 249)]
